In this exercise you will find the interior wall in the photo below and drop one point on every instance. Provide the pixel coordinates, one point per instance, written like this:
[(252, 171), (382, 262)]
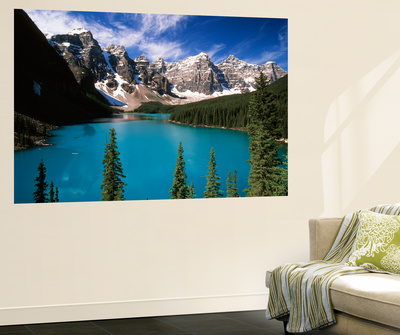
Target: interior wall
[(102, 260)]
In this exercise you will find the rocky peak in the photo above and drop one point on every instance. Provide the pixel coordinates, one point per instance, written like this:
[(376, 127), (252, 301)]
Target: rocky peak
[(159, 60), (78, 37), (82, 53), (78, 31), (196, 73), (142, 62), (201, 59), (231, 59), (159, 65), (273, 71), (122, 64), (232, 64), (117, 50), (203, 55), (141, 58)]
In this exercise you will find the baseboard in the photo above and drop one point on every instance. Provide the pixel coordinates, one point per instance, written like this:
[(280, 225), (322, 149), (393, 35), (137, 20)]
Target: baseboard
[(132, 308)]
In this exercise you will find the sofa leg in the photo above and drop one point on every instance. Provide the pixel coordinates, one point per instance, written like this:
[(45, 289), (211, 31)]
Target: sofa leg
[(284, 328)]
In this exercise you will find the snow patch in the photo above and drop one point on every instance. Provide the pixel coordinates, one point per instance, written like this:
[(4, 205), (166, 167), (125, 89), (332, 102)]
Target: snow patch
[(226, 91), (249, 80), (118, 78), (78, 31), (48, 35), (190, 94), (107, 58), (138, 80), (111, 100)]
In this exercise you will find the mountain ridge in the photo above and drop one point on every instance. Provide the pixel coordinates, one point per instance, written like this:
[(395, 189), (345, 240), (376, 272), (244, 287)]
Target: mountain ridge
[(117, 75)]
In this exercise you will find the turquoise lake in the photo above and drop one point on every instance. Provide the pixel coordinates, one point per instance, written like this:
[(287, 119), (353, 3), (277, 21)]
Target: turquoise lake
[(148, 147)]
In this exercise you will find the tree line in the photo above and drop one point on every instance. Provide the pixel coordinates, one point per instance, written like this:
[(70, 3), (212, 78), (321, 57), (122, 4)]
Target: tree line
[(28, 131), (225, 112)]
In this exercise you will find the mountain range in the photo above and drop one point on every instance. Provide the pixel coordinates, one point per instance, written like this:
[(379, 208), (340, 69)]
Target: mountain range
[(128, 82)]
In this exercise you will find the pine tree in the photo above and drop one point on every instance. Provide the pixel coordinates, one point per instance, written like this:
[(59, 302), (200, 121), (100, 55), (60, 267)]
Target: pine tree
[(232, 185), (56, 199), (265, 176), (192, 194), (213, 183), (282, 188), (235, 186), (40, 194), (179, 189), (229, 184), (51, 192), (112, 186)]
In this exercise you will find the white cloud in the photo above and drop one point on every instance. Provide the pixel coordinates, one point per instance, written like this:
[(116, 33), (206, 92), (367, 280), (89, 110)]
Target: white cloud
[(56, 22), (61, 22), (215, 49), (155, 24), (267, 56), (283, 38), (118, 29), (167, 50)]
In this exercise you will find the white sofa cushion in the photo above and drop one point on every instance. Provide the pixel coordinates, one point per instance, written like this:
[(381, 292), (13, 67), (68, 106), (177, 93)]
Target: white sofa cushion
[(371, 296)]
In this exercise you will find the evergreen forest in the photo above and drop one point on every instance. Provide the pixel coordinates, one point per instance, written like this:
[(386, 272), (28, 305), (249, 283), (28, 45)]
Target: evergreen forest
[(29, 132)]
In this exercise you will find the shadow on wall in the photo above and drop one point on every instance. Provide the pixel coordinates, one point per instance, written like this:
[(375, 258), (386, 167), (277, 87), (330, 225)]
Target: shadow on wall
[(362, 129)]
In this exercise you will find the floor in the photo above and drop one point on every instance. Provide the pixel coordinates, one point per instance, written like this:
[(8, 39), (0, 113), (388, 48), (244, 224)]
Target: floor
[(232, 323)]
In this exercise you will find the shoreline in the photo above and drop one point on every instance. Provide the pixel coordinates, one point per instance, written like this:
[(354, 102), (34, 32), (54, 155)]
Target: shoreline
[(30, 133), (37, 142), (285, 140), (206, 126)]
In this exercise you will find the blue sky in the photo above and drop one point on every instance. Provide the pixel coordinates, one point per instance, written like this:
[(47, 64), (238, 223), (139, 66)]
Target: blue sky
[(175, 37)]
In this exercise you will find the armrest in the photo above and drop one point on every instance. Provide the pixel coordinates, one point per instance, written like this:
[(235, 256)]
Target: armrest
[(322, 235)]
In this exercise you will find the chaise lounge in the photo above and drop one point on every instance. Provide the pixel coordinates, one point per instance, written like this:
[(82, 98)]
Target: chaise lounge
[(367, 303)]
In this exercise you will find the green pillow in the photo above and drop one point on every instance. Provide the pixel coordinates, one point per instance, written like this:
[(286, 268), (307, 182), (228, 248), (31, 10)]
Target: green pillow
[(377, 245)]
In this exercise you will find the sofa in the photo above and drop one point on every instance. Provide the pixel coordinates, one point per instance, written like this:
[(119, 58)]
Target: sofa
[(364, 304)]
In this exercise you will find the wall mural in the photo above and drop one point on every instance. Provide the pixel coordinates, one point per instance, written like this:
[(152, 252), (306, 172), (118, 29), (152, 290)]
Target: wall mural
[(119, 106)]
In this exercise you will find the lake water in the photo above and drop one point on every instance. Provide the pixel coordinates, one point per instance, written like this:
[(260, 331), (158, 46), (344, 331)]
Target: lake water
[(148, 147)]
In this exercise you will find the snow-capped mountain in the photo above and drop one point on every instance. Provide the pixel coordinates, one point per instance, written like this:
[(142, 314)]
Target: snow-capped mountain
[(82, 53), (194, 74), (126, 81)]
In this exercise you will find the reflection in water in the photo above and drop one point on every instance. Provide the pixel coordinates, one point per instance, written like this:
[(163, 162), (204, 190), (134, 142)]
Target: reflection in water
[(131, 117), (89, 130)]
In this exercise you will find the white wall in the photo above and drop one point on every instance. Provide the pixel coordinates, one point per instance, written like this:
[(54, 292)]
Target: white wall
[(103, 260)]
